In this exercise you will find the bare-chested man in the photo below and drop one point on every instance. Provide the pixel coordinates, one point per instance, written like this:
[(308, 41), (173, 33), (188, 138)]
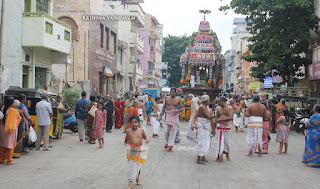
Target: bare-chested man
[(223, 121), (172, 117), (142, 112), (155, 117), (238, 116), (256, 112), (204, 115)]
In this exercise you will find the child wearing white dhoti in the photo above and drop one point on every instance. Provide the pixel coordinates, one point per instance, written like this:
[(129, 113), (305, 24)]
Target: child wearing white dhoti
[(155, 123), (141, 119)]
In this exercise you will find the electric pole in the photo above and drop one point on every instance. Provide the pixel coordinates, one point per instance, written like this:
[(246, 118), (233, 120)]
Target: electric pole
[(135, 55)]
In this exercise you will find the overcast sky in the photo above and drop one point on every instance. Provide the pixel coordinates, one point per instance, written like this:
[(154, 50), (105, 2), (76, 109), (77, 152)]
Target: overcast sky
[(182, 17)]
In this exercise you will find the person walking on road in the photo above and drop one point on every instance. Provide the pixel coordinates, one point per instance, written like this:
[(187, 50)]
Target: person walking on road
[(311, 155), (149, 109), (283, 128), (80, 113), (256, 112), (90, 119), (224, 119), (44, 113), (99, 124), (109, 107), (172, 118)]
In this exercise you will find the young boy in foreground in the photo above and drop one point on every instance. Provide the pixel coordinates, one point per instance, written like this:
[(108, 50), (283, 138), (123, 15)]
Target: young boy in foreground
[(136, 153)]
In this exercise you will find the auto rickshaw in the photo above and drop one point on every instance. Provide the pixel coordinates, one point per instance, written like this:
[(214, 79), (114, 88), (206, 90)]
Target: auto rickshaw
[(33, 97)]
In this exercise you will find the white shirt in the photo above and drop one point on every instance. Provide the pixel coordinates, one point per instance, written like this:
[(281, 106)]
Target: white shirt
[(43, 110), (247, 102), (1, 115), (145, 98)]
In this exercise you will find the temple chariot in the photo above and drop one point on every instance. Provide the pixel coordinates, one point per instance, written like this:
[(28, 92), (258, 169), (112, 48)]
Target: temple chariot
[(201, 62)]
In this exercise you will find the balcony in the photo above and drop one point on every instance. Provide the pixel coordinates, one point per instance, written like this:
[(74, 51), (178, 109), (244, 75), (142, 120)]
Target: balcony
[(42, 30), (136, 41), (134, 9), (156, 35)]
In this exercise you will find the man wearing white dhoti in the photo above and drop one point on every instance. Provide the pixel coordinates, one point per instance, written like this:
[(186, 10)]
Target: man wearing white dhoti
[(194, 106), (172, 117), (237, 118), (247, 102), (142, 112), (224, 118), (204, 116), (155, 117), (256, 112)]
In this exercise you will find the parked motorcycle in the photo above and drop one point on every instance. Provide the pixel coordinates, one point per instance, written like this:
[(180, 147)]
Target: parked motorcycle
[(70, 121), (299, 120)]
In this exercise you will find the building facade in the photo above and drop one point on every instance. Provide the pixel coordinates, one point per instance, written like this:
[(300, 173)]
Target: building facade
[(240, 68), (39, 42), (94, 44), (129, 34)]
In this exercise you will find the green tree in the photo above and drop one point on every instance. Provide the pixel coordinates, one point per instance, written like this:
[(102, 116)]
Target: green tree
[(174, 47), (280, 32)]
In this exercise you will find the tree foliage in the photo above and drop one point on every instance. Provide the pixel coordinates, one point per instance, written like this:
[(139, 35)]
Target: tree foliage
[(174, 47), (280, 35)]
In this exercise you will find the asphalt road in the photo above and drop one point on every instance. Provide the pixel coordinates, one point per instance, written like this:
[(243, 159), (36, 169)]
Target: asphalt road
[(74, 164)]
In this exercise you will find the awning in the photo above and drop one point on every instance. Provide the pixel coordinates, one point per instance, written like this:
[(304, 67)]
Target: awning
[(107, 72)]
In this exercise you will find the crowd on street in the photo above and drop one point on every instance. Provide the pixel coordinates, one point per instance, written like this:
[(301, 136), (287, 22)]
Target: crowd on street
[(256, 114)]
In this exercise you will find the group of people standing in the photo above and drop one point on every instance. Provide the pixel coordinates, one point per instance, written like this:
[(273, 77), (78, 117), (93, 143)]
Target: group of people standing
[(16, 124), (255, 114), (93, 117)]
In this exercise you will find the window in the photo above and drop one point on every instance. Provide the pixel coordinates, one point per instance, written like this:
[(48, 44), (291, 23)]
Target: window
[(49, 28), (27, 5), (113, 44), (27, 58), (42, 6), (101, 35), (66, 35), (107, 38)]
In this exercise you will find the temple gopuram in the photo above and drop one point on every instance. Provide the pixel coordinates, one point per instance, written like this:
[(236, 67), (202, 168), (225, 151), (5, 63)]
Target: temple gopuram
[(201, 63)]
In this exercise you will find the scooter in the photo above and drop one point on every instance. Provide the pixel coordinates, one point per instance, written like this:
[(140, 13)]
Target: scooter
[(70, 122), (300, 119)]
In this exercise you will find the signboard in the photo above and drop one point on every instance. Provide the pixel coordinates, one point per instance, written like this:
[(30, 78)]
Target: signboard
[(161, 65), (314, 71), (268, 82), (153, 92), (254, 84)]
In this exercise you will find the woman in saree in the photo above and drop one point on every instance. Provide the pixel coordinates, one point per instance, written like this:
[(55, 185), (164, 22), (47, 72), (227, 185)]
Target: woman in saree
[(9, 131), (183, 112), (59, 123), (311, 156), (273, 116), (118, 113), (188, 108), (90, 119), (26, 121), (265, 132)]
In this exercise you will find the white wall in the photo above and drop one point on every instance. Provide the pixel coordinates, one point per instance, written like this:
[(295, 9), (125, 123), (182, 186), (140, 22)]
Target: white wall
[(11, 45)]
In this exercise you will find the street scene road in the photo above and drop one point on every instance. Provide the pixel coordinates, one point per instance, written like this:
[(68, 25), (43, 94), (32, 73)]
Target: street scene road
[(74, 164)]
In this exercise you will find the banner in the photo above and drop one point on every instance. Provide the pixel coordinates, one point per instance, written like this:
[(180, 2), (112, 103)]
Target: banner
[(254, 84), (314, 71), (268, 82)]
